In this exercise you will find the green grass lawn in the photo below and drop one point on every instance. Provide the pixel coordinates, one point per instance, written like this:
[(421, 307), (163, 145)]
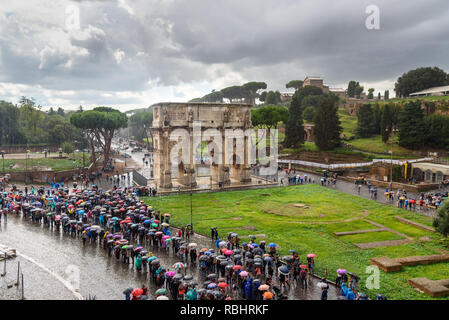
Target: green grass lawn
[(52, 163), (396, 100), (312, 229), (374, 144), (348, 122)]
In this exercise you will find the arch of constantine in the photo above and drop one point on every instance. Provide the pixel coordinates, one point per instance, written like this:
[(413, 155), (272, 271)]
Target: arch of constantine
[(197, 124)]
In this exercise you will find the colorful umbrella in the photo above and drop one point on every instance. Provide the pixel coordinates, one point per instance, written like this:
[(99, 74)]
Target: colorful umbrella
[(264, 287), (137, 292), (179, 265)]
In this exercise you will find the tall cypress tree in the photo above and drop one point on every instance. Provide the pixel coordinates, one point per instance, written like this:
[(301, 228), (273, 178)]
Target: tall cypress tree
[(412, 133), (366, 121), (294, 129), (386, 123), (327, 128)]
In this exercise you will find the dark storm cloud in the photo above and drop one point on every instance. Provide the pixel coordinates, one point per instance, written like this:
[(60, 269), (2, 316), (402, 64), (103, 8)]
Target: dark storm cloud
[(133, 46)]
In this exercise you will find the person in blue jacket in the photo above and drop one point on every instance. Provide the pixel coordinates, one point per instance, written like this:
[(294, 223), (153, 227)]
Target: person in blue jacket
[(350, 294), (344, 290), (248, 289)]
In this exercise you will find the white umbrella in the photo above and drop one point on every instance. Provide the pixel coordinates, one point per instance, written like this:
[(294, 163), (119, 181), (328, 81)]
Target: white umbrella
[(162, 298), (322, 285)]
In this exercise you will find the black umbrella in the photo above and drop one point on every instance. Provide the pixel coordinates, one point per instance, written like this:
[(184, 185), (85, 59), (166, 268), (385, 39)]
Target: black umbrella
[(128, 291), (223, 263), (188, 278), (178, 276), (212, 276), (154, 262)]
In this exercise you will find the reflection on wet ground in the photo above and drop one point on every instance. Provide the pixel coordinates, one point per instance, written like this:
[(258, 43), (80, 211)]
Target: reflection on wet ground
[(99, 275)]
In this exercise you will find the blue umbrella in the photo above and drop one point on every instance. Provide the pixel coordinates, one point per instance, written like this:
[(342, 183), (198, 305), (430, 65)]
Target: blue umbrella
[(211, 285), (284, 270), (207, 253), (272, 245), (267, 259)]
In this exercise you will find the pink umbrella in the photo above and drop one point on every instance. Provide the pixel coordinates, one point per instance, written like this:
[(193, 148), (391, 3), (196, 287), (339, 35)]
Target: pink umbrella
[(165, 237), (228, 252), (170, 273), (311, 255), (243, 274)]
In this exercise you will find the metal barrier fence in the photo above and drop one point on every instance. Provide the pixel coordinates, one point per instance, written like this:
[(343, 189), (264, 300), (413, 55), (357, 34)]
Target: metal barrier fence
[(139, 178), (350, 165)]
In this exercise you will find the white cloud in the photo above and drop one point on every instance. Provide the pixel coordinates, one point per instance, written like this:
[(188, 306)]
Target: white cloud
[(119, 55)]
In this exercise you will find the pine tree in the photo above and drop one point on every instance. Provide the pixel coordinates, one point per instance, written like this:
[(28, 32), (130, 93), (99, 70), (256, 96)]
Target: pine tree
[(412, 133), (327, 128), (441, 221), (386, 123), (366, 125), (294, 129)]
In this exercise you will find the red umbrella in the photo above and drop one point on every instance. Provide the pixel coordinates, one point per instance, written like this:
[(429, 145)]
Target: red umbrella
[(222, 285), (303, 266), (311, 255), (237, 267), (137, 292)]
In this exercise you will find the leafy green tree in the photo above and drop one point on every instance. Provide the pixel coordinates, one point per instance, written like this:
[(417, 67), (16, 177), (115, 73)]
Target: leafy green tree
[(252, 89), (140, 125), (295, 84), (234, 93), (379, 96), (370, 93), (309, 113), (11, 131), (420, 79), (411, 126), (386, 123), (366, 125), (269, 116), (358, 90), (351, 89), (67, 147), (327, 128), (294, 129), (387, 95), (437, 131), (263, 96), (100, 125), (441, 220), (273, 98)]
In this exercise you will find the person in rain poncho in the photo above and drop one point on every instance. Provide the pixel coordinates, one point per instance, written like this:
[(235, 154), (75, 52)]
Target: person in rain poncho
[(350, 294), (138, 263), (248, 288), (344, 290), (191, 294)]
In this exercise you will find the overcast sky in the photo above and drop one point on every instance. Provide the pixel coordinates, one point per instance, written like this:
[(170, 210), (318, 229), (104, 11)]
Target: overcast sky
[(134, 53)]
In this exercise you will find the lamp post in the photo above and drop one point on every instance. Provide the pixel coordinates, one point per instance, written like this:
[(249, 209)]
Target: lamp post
[(189, 173), (191, 196), (393, 129), (26, 165)]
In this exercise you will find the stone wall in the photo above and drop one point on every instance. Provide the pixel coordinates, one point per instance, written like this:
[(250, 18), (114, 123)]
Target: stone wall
[(23, 149)]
